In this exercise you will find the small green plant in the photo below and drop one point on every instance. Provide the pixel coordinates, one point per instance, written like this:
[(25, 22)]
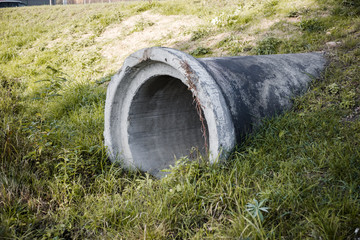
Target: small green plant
[(256, 209), (200, 51), (268, 46), (199, 34), (312, 25)]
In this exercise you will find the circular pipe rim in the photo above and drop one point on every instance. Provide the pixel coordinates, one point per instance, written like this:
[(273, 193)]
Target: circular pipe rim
[(221, 132)]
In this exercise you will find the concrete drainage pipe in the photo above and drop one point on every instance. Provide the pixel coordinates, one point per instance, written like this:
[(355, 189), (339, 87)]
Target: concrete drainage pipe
[(163, 102)]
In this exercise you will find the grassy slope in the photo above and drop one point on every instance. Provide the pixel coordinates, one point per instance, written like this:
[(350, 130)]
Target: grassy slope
[(55, 179)]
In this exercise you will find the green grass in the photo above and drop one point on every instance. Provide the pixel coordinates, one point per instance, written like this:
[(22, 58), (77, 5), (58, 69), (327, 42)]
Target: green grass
[(296, 177)]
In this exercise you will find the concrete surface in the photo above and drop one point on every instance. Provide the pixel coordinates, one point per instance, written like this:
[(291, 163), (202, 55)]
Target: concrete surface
[(163, 103)]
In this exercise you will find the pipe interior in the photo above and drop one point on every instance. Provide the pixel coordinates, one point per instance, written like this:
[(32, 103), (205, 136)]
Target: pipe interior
[(163, 123)]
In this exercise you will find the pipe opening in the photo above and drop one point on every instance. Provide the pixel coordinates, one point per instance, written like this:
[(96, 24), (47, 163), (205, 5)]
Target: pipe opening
[(163, 123)]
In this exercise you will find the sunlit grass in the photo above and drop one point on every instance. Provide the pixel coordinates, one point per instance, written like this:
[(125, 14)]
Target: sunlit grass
[(296, 177)]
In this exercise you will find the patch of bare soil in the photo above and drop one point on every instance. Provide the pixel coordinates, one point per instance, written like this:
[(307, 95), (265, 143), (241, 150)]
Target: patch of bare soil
[(121, 40), (265, 24)]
